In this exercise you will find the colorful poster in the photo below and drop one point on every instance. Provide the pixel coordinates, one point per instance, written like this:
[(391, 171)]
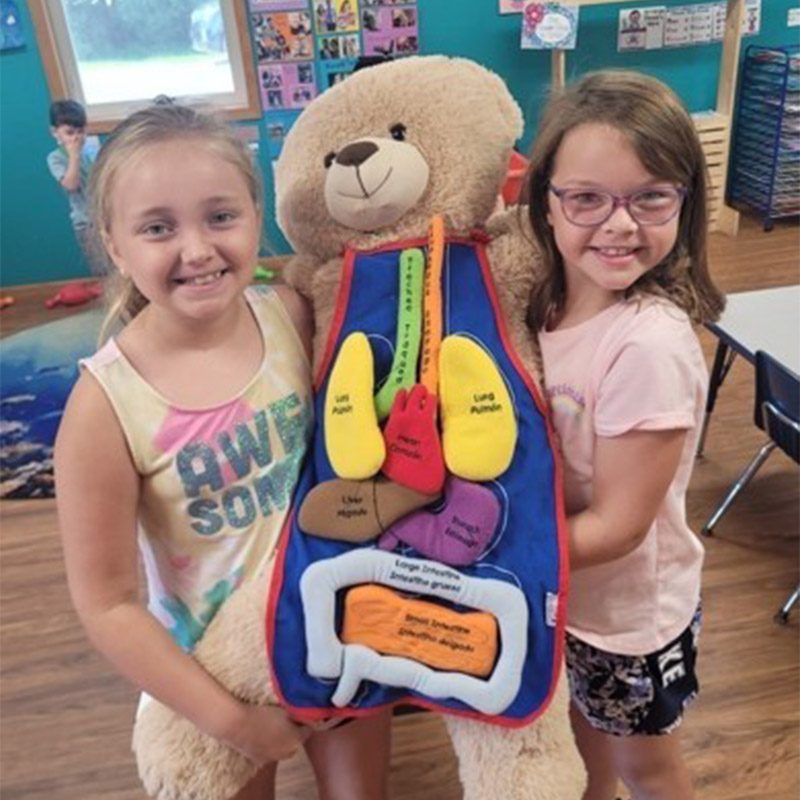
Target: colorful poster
[(287, 85), (278, 5), (547, 26), (336, 47), (11, 35), (283, 36), (278, 124), (390, 30), (334, 71), (751, 21), (335, 16), (511, 6)]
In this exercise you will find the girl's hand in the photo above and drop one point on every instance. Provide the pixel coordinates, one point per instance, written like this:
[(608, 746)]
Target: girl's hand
[(267, 734)]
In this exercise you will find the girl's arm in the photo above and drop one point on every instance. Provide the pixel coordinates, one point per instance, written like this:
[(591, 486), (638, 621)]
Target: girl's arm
[(632, 474), (98, 495)]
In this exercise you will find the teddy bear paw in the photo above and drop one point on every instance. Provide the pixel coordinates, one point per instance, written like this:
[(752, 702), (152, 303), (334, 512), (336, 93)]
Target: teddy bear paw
[(177, 761)]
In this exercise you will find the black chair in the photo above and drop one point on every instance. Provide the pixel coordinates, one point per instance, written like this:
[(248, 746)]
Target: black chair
[(777, 412)]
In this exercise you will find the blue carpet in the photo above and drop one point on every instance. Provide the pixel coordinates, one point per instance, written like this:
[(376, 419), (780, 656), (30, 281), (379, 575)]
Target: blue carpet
[(38, 368)]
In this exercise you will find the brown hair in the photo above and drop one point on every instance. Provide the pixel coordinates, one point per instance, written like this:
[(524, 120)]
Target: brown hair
[(143, 129), (662, 133)]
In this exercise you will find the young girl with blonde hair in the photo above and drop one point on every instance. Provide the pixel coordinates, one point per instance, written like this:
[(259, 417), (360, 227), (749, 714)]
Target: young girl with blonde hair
[(190, 425), (617, 201)]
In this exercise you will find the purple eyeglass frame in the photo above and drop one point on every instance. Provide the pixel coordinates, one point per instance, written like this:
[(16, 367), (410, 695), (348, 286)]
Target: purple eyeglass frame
[(616, 202)]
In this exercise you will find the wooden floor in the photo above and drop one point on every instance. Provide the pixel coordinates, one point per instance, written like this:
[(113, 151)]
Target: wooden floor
[(66, 717)]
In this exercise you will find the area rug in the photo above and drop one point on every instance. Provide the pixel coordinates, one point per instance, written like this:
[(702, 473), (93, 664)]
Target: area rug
[(38, 368)]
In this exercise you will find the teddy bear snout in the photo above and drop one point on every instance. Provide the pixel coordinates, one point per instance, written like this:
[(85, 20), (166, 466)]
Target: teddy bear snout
[(354, 155), (372, 182)]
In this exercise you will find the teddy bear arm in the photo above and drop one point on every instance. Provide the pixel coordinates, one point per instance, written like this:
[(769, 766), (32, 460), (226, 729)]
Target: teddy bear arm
[(299, 273), (175, 759), (324, 294), (516, 265)]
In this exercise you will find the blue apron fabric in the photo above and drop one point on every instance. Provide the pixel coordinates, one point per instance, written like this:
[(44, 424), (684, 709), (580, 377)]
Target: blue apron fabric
[(532, 551)]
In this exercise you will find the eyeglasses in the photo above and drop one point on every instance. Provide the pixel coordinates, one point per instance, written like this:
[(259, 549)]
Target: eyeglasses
[(655, 205)]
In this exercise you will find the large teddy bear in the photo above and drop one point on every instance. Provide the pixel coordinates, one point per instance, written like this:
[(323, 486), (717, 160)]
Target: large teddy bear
[(411, 152)]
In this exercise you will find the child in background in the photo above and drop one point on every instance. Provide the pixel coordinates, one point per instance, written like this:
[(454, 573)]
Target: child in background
[(190, 425), (617, 202), (70, 165)]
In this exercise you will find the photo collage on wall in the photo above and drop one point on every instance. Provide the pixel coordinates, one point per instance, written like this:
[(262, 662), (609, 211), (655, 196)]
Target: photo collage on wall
[(305, 46)]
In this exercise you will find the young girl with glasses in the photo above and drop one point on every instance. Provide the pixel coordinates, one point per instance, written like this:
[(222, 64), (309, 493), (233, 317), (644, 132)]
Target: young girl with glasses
[(617, 202)]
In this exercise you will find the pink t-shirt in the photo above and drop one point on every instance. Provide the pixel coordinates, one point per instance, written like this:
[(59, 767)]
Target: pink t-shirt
[(635, 366)]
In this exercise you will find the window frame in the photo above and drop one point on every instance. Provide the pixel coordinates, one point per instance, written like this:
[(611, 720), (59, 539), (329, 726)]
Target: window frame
[(60, 67)]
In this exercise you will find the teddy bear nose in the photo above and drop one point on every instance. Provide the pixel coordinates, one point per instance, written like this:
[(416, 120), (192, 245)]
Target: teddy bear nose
[(354, 155)]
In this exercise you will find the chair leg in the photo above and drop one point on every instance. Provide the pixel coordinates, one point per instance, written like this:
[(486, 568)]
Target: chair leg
[(783, 615), (745, 478)]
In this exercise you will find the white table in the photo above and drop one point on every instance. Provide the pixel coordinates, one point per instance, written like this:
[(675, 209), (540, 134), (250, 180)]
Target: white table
[(767, 320)]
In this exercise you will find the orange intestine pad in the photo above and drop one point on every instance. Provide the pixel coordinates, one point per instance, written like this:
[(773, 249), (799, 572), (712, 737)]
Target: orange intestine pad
[(439, 637)]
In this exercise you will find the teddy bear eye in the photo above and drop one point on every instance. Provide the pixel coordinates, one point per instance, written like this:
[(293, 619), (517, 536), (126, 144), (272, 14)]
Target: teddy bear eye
[(328, 160), (398, 132)]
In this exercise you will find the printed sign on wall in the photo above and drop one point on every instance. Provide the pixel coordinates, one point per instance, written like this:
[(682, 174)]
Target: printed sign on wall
[(547, 26), (654, 27)]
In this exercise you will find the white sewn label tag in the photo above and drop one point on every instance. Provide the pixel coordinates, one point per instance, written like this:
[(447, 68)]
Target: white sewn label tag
[(551, 609)]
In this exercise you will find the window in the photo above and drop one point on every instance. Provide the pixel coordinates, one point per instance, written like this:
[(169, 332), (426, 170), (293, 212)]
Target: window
[(115, 56)]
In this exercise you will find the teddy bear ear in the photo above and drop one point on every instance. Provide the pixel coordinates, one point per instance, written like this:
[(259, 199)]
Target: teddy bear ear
[(510, 111)]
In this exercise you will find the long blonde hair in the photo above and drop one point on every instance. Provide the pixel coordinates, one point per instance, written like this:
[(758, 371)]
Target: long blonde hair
[(143, 129), (662, 133)]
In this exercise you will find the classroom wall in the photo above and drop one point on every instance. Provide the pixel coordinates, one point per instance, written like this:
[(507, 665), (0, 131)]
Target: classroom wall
[(36, 240)]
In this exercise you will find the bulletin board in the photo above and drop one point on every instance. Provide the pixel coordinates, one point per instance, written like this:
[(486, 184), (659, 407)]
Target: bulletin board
[(305, 46)]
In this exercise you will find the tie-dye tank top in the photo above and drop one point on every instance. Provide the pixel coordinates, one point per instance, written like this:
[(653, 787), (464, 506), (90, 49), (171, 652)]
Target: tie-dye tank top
[(216, 483)]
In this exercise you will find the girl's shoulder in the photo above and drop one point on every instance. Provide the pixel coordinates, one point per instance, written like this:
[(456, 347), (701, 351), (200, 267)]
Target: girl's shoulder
[(649, 318), (271, 299), (653, 309), (106, 354), (88, 415), (647, 331), (292, 308), (651, 333)]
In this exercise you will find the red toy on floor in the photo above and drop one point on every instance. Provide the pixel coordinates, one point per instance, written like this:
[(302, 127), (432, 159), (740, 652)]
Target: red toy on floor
[(74, 294)]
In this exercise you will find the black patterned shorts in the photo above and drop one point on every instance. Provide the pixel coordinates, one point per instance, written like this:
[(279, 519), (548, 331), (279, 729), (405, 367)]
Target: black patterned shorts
[(634, 695)]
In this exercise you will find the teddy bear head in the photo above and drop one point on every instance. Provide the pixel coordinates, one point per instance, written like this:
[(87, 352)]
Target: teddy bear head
[(373, 158)]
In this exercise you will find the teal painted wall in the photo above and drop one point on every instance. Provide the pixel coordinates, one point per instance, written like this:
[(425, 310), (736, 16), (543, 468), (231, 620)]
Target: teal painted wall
[(36, 240)]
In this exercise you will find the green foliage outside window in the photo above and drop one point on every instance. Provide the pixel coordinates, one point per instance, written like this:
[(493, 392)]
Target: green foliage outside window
[(121, 29)]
